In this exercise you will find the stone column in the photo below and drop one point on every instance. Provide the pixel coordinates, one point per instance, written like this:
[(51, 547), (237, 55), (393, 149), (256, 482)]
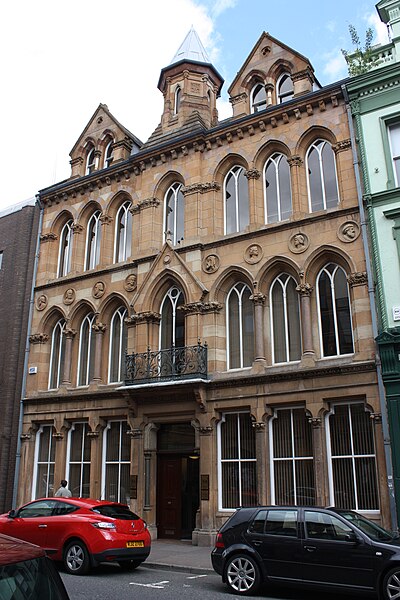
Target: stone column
[(259, 300), (95, 463), (99, 329), (205, 530), (261, 455), (60, 440), (256, 211), (296, 163), (321, 492), (66, 373), (305, 290)]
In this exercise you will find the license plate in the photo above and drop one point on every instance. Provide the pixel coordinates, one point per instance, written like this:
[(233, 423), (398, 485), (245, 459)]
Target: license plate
[(134, 544)]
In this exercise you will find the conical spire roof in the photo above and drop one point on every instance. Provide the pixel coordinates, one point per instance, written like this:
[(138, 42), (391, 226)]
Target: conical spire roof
[(191, 49)]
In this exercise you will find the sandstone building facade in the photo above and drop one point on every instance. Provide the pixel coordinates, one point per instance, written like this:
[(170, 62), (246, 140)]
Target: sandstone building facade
[(202, 331)]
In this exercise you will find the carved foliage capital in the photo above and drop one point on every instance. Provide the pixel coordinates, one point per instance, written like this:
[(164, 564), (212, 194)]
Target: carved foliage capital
[(38, 338)]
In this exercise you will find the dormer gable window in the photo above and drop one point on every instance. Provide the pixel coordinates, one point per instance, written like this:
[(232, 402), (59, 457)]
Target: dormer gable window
[(108, 154), (258, 98), (284, 88), (90, 160)]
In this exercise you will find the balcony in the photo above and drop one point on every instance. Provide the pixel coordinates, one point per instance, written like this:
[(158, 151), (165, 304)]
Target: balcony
[(172, 364)]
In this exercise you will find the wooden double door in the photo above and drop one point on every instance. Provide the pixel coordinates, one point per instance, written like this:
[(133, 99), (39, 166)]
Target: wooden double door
[(177, 495)]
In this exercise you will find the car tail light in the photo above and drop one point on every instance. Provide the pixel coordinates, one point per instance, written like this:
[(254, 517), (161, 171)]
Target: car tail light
[(219, 542), (104, 525)]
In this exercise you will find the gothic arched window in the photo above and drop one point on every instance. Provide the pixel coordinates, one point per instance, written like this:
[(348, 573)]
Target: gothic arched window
[(278, 192), (236, 193), (240, 327), (322, 180), (57, 354), (86, 350), (285, 320), (118, 345), (65, 250), (174, 213), (93, 238), (123, 233)]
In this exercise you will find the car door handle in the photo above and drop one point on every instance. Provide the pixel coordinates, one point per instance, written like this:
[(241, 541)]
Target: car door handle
[(42, 526), (310, 548), (257, 543)]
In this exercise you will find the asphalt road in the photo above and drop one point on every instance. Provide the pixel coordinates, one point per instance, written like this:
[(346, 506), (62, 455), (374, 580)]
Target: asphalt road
[(108, 582)]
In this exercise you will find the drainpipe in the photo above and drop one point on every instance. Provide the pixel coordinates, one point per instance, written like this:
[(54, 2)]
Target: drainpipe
[(371, 293), (26, 357)]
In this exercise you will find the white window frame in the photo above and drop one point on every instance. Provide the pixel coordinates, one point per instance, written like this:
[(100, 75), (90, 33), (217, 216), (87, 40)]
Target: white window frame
[(276, 158), (321, 341), (108, 154), (255, 105), (286, 322), (236, 171), (120, 314), (119, 462), (82, 462), (240, 341), (281, 98), (123, 211), (352, 456), (91, 319), (36, 460), (293, 458), (319, 149), (90, 161), (64, 258), (176, 188), (394, 157), (92, 250), (239, 460), (61, 324)]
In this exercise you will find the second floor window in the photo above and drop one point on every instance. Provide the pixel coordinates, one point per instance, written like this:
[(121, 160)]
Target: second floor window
[(65, 250), (174, 213), (123, 233), (236, 193), (172, 331), (322, 181), (278, 194), (108, 154), (93, 238)]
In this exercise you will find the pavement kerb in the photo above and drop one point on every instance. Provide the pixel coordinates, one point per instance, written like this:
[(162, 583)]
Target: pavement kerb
[(181, 568)]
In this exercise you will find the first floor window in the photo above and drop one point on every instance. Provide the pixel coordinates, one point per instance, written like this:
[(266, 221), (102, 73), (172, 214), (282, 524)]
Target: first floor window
[(352, 461), (394, 139), (86, 350), (57, 354), (78, 461), (118, 345), (45, 454), (240, 327), (237, 485), (116, 462), (292, 477), (285, 320)]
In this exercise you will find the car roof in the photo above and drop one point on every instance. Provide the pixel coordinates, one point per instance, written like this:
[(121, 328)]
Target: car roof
[(83, 502), (13, 550)]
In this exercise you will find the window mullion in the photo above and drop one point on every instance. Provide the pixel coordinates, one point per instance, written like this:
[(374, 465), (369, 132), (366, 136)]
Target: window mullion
[(321, 171), (332, 278)]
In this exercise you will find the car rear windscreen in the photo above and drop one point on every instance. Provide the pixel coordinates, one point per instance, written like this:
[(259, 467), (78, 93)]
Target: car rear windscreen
[(116, 511)]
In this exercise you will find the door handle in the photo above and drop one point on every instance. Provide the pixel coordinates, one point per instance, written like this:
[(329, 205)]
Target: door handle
[(42, 526), (257, 543), (310, 548)]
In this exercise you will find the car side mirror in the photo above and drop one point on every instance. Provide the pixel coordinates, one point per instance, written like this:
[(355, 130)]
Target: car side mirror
[(352, 537), (12, 514)]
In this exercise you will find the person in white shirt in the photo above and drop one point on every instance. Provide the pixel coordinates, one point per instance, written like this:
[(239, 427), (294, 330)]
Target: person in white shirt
[(63, 491)]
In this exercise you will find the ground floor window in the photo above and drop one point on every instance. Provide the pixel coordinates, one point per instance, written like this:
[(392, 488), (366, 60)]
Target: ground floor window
[(237, 477), (116, 462), (351, 458), (45, 453), (292, 463), (78, 461)]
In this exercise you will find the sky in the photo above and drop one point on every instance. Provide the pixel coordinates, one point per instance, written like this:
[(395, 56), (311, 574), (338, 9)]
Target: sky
[(60, 60)]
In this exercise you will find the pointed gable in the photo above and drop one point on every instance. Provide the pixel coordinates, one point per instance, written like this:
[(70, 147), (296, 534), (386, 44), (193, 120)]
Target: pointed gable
[(269, 64), (104, 141)]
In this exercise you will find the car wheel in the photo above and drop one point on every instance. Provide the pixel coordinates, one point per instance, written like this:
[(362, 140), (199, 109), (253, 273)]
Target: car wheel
[(391, 584), (129, 565), (76, 558), (242, 575)]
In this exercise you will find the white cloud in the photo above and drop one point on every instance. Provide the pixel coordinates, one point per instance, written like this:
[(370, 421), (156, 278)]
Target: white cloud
[(335, 67), (63, 59), (381, 34)]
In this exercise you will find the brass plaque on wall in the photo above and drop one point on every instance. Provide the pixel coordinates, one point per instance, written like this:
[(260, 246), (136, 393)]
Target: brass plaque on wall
[(204, 487)]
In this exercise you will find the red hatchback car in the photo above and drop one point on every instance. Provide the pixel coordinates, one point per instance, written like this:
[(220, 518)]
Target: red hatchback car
[(81, 532)]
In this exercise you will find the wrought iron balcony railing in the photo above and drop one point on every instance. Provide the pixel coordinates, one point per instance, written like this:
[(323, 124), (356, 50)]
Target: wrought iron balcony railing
[(166, 365)]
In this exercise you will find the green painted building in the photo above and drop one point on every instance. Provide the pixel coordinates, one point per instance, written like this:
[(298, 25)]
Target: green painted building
[(375, 107)]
